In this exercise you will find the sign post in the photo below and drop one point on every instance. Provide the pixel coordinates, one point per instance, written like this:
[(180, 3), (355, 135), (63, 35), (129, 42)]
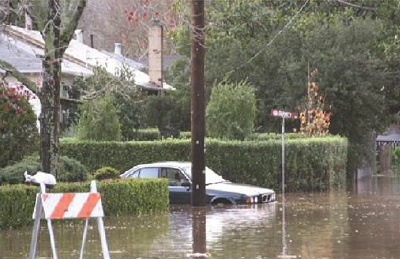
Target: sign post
[(284, 115)]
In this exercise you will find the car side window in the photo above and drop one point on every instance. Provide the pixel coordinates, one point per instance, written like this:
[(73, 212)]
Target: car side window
[(134, 174), (149, 172), (174, 176)]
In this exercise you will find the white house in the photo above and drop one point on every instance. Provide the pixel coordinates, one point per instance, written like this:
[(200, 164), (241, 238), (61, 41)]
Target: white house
[(22, 48)]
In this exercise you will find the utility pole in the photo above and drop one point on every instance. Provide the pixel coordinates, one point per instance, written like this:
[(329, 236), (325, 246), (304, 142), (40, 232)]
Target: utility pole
[(197, 55)]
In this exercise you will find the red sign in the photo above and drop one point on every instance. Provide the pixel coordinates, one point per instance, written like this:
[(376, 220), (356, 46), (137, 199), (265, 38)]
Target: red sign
[(283, 114)]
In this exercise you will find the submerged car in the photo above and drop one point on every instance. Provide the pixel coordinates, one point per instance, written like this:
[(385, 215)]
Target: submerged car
[(218, 190)]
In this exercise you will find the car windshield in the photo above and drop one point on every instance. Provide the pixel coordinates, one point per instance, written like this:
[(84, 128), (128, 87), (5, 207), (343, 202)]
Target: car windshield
[(211, 176)]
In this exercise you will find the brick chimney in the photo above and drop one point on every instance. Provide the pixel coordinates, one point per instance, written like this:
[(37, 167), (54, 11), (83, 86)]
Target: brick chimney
[(156, 53)]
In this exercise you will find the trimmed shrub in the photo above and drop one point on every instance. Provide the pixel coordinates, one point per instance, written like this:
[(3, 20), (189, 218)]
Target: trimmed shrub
[(19, 133), (119, 197), (146, 134), (17, 204), (71, 170), (231, 110), (99, 120), (311, 163), (14, 174), (106, 173)]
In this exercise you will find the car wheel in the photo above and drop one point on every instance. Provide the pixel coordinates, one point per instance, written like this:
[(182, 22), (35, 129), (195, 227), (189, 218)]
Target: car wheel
[(221, 202)]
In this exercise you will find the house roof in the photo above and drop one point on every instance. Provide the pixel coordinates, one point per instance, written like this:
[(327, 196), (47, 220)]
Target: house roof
[(130, 62), (85, 57), (19, 58), (391, 135), (24, 57)]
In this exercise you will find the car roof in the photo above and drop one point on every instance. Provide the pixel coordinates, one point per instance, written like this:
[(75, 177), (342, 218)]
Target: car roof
[(179, 164)]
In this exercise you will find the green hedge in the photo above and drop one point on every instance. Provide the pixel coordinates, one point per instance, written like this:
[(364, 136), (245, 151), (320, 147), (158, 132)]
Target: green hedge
[(273, 136), (311, 164), (151, 134), (119, 197)]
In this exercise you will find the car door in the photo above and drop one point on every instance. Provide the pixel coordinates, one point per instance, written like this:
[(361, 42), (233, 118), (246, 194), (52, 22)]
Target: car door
[(179, 186)]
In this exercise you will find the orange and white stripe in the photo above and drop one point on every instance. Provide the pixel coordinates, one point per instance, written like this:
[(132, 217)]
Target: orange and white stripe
[(71, 205)]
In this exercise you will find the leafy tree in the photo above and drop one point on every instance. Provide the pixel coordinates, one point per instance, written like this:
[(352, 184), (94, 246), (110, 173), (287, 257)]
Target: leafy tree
[(231, 110), (388, 13), (99, 120), (271, 44), (353, 80), (131, 106), (179, 75), (314, 120), (56, 20), (163, 113), (128, 100), (19, 133)]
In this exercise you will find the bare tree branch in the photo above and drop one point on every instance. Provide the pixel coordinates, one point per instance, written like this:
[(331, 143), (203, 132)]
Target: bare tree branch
[(66, 34), (10, 70), (357, 6)]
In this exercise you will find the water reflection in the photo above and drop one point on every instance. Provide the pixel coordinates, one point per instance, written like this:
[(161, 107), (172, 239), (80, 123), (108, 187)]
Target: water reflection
[(378, 185), (199, 232), (361, 223)]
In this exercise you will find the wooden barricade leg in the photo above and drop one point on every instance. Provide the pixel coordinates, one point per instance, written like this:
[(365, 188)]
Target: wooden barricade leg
[(36, 227), (100, 226), (104, 247), (52, 241), (84, 238)]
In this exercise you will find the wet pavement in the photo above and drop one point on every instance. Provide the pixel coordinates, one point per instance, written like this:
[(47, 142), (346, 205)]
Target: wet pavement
[(360, 223)]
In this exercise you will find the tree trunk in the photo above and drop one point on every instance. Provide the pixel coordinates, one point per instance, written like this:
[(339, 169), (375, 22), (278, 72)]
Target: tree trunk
[(50, 92), (57, 37)]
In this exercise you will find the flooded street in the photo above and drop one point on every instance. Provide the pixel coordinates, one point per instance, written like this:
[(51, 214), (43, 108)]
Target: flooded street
[(360, 223)]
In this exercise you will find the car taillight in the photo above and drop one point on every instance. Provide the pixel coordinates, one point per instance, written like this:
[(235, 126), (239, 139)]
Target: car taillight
[(250, 200)]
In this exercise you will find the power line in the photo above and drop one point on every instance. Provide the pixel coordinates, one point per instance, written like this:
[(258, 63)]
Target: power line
[(273, 38)]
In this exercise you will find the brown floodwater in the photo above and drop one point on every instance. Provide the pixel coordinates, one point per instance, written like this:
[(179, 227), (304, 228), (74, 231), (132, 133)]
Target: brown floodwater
[(360, 223)]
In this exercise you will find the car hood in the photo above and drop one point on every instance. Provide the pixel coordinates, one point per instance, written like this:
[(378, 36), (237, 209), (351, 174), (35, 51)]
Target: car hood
[(248, 190)]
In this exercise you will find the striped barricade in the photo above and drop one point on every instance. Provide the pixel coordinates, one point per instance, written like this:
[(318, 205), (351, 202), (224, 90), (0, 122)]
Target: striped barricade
[(68, 206), (72, 205)]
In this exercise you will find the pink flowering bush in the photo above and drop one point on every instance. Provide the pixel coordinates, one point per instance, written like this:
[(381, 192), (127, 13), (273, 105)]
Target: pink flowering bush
[(19, 133)]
